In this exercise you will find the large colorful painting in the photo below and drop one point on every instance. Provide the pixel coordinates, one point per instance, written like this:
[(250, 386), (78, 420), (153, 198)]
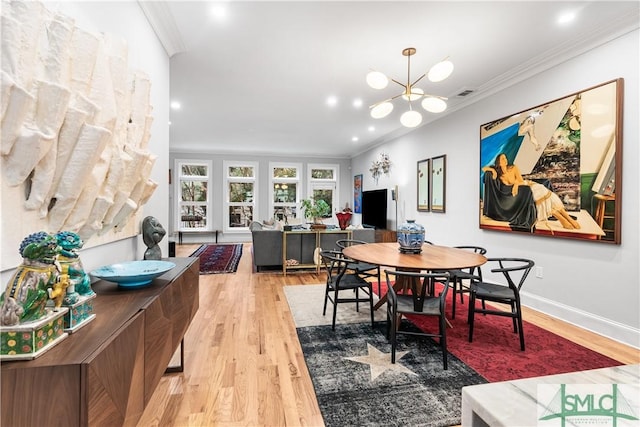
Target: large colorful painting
[(357, 194), (556, 169)]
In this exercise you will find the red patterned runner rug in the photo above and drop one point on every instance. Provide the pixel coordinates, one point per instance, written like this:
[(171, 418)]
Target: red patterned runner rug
[(217, 259)]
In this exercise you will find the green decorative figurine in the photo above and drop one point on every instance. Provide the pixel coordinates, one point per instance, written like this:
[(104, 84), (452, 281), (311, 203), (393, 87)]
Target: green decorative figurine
[(35, 281), (79, 296), (29, 324), (79, 281)]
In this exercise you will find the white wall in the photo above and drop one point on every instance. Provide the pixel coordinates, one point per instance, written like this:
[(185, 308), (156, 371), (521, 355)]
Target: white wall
[(146, 54), (595, 285)]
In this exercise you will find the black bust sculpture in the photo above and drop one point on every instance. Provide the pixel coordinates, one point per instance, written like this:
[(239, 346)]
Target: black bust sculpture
[(152, 234)]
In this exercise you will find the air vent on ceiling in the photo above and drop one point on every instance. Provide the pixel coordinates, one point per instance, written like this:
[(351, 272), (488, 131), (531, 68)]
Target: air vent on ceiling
[(464, 92)]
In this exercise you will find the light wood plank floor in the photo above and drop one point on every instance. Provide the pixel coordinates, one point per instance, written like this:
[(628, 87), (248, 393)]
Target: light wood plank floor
[(243, 362)]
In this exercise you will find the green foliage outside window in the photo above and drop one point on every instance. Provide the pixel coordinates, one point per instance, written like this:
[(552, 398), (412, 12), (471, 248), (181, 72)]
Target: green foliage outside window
[(194, 191), (194, 170), (322, 173), (241, 171), (285, 172), (240, 192)]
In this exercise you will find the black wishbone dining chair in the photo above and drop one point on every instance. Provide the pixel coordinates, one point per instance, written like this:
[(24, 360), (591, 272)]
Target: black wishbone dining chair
[(362, 268), (419, 303), (515, 272), (339, 278), (459, 276)]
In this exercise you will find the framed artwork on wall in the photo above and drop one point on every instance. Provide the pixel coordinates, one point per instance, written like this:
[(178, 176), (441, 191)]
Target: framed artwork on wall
[(556, 169), (438, 183), (423, 185), (357, 194)]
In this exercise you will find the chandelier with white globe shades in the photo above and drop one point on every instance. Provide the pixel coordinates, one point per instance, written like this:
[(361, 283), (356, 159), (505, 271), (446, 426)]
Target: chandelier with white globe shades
[(432, 103)]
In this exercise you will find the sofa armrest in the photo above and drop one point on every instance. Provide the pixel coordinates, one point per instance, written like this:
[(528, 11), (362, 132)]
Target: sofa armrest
[(267, 247)]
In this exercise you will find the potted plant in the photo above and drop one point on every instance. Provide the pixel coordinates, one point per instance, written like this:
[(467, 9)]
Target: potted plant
[(315, 210)]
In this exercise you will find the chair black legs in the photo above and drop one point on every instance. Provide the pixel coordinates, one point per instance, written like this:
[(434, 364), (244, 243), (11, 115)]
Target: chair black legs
[(423, 300), (335, 310), (515, 272), (371, 307), (326, 298), (333, 296), (456, 290), (471, 315), (515, 314), (392, 326), (519, 311)]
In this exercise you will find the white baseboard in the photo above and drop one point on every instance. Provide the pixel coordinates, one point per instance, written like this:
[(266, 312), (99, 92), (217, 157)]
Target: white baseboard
[(589, 321)]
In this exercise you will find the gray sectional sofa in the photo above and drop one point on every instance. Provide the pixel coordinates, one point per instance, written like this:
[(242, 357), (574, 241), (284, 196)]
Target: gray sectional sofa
[(267, 244)]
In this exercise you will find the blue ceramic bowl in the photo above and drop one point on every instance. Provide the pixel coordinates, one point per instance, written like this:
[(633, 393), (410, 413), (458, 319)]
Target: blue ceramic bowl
[(133, 274)]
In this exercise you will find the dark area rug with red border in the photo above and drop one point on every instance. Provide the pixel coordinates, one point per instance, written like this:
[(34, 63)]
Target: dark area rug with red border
[(357, 385), (495, 351), (218, 259)]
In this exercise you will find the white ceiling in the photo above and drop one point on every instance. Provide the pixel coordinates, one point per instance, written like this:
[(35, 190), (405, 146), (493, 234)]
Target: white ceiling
[(258, 81)]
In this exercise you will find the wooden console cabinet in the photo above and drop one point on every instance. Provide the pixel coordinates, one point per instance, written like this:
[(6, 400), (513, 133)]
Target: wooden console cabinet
[(105, 373)]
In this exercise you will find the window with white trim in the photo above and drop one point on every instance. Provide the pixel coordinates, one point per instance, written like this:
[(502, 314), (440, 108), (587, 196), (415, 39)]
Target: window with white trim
[(323, 184), (284, 190), (193, 194), (240, 194)]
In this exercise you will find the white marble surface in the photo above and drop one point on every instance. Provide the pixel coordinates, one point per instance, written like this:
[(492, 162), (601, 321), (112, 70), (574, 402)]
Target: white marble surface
[(515, 403)]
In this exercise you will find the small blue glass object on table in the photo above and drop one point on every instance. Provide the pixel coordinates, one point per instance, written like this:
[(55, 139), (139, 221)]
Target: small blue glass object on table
[(133, 274)]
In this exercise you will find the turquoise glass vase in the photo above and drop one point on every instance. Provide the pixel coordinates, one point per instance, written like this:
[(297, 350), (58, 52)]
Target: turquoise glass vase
[(410, 237)]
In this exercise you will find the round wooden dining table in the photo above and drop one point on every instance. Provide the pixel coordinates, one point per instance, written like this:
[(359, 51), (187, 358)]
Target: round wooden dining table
[(432, 258)]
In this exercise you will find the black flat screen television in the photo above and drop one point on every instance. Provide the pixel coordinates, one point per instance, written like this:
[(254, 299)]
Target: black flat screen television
[(374, 208)]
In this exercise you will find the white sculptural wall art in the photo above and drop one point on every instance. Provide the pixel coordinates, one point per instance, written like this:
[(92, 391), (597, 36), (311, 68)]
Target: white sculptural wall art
[(75, 128)]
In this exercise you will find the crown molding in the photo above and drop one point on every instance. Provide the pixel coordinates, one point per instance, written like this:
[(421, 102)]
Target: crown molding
[(163, 24), (563, 52)]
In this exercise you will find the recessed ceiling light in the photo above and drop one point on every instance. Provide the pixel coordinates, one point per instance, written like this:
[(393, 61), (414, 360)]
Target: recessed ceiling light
[(218, 12), (355, 139), (332, 101), (357, 102), (372, 128), (175, 105), (566, 17)]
